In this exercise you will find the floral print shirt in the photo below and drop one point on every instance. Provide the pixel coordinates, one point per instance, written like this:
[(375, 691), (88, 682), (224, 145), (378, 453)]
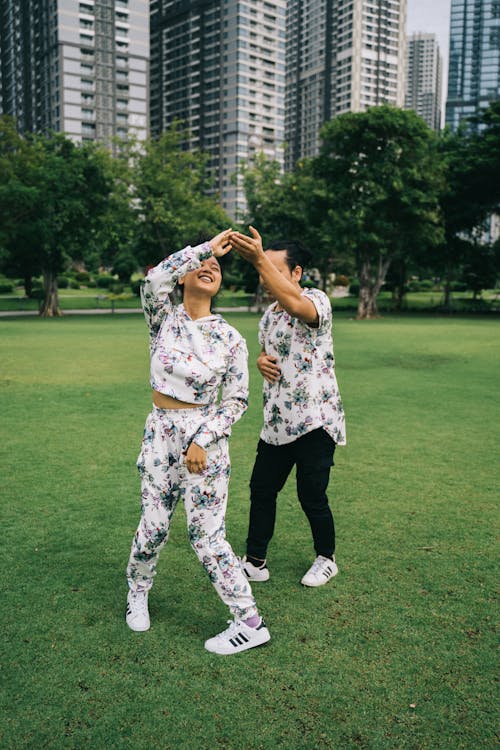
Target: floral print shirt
[(306, 395), (194, 360)]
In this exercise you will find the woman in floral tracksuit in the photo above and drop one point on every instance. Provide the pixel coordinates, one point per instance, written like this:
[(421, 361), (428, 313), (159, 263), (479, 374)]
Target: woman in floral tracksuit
[(184, 455)]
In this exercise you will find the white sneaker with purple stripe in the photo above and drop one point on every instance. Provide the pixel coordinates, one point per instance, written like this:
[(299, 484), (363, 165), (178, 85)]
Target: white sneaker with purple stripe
[(320, 572), (238, 637)]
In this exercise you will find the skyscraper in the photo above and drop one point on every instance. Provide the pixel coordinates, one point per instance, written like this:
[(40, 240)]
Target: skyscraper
[(342, 55), (424, 78), (219, 67), (76, 66), (474, 67)]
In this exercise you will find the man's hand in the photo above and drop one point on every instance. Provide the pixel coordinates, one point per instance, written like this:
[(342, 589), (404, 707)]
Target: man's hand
[(250, 248), (268, 367), (196, 459), (220, 244)]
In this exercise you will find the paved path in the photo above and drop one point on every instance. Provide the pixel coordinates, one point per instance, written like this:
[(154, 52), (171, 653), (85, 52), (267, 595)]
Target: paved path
[(108, 311)]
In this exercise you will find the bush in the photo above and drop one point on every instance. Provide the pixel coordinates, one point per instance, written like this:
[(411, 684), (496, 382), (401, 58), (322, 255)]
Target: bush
[(6, 286), (104, 281), (62, 282), (73, 284), (341, 280), (116, 287), (91, 284), (354, 288), (136, 287), (426, 285), (458, 286), (82, 276)]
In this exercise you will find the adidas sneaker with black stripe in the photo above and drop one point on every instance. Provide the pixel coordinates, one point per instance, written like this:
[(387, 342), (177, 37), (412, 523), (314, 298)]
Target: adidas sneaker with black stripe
[(238, 637), (321, 571)]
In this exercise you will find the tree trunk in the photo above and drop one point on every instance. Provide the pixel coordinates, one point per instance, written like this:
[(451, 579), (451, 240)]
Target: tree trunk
[(447, 289), (399, 291), (50, 305), (368, 289), (28, 285)]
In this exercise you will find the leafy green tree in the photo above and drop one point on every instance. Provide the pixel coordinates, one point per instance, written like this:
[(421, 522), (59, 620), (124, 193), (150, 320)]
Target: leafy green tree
[(113, 244), (470, 194), (172, 199), (17, 203), (290, 205), (382, 179), (65, 186)]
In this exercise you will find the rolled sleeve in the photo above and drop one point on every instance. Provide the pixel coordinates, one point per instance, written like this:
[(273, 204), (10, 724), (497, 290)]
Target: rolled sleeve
[(161, 280)]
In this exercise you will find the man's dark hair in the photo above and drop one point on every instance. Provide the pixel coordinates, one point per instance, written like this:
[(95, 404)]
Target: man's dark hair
[(296, 253)]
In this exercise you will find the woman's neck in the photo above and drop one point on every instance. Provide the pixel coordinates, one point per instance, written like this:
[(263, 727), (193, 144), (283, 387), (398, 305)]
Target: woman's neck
[(197, 308)]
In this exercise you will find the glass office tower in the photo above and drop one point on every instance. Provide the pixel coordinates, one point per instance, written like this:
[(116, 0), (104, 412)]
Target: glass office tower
[(76, 66), (474, 67)]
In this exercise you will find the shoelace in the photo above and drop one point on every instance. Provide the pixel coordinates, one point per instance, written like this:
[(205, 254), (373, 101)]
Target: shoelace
[(318, 564), (231, 630), (137, 603)]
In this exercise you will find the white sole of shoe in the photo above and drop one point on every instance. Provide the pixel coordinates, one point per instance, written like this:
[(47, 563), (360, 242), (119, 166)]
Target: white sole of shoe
[(265, 637)]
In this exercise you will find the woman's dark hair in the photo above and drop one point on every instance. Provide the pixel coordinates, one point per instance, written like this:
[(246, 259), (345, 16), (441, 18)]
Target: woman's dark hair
[(296, 253)]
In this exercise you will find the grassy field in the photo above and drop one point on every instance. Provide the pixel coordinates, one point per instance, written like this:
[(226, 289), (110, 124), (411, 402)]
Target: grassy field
[(398, 652)]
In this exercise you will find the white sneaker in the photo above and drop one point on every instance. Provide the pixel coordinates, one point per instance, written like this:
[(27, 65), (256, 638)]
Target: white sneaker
[(320, 572), (252, 572), (238, 637), (137, 616)]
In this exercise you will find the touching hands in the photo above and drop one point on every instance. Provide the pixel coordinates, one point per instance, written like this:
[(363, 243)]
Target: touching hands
[(196, 459), (250, 248), (221, 244), (268, 367)]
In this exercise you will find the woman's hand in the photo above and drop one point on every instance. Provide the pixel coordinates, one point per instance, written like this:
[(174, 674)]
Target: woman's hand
[(220, 243), (268, 367), (196, 459)]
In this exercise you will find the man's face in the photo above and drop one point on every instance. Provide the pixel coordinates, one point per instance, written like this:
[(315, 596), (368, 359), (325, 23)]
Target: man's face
[(279, 260)]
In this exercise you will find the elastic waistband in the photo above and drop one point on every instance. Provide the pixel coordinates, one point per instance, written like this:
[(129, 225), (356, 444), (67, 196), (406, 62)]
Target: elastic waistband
[(194, 410)]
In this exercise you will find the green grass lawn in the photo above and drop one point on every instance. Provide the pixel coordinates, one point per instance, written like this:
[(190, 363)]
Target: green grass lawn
[(397, 652), (90, 299)]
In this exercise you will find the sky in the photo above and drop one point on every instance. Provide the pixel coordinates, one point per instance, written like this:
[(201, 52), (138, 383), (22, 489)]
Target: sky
[(432, 16)]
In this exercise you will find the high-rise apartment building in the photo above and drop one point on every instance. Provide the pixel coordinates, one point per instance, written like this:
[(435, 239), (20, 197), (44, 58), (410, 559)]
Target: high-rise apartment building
[(218, 66), (424, 68), (474, 62), (342, 56), (76, 66)]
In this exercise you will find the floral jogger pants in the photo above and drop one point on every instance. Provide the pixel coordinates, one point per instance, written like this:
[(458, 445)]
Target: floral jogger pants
[(164, 480)]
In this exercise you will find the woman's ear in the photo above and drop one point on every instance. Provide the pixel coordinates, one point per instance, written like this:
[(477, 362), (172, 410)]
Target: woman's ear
[(297, 273)]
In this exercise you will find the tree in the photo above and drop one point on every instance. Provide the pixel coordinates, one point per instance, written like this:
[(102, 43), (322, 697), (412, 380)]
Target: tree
[(290, 205), (382, 178), (65, 187), (172, 197), (17, 204), (470, 194)]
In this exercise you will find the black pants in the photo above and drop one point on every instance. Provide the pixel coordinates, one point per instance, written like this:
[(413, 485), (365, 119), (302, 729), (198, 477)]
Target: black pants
[(312, 454)]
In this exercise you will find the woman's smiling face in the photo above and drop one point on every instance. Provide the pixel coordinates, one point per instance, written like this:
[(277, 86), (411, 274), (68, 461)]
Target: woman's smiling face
[(206, 279)]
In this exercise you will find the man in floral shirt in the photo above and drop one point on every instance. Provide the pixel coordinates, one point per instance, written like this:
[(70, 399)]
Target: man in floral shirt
[(303, 414)]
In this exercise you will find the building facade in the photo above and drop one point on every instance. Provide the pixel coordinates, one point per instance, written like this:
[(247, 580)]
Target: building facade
[(218, 67), (76, 66), (474, 63), (424, 78), (342, 56)]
